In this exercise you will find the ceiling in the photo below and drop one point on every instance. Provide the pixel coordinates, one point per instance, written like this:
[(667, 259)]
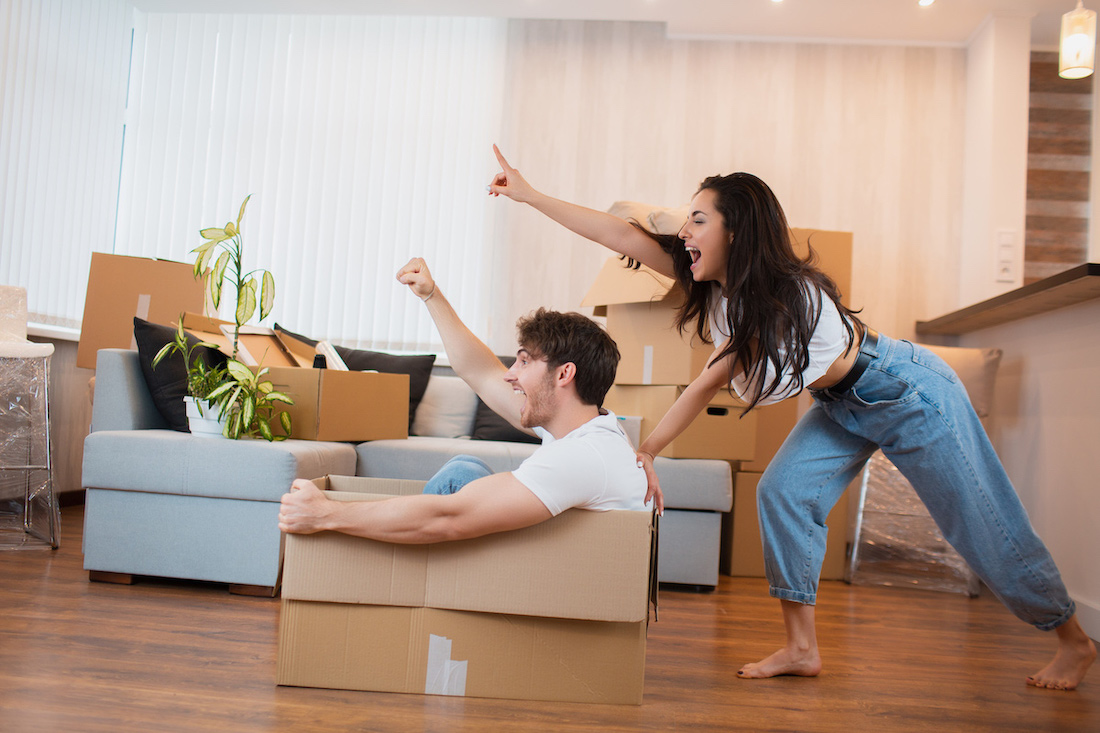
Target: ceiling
[(946, 22)]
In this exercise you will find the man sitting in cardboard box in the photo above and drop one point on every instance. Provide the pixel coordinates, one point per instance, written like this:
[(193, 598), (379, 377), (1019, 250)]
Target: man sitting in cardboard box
[(564, 367)]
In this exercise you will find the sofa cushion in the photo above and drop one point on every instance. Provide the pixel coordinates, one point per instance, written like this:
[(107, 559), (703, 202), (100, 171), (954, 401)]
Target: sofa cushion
[(166, 462), (447, 410), (417, 366), (168, 382)]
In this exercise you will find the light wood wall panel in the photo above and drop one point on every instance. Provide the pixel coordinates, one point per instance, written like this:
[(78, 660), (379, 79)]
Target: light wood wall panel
[(1058, 169), (866, 139)]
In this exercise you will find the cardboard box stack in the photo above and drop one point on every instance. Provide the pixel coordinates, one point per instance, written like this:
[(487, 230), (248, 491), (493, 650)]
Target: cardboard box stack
[(658, 362), (557, 611)]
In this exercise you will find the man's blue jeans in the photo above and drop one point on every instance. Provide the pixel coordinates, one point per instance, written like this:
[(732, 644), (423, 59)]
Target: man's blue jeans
[(456, 473), (910, 404)]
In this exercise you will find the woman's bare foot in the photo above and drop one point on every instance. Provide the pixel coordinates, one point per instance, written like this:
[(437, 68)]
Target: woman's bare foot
[(801, 662), (1075, 655)]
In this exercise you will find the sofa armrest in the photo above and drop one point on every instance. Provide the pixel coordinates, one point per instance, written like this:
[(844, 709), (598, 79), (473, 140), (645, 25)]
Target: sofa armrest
[(122, 400)]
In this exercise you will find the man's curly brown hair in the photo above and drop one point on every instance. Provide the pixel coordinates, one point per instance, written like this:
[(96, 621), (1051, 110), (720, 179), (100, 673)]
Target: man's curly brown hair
[(560, 338)]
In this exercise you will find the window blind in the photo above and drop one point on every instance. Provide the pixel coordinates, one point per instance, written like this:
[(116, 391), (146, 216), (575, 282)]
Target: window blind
[(62, 90), (363, 140)]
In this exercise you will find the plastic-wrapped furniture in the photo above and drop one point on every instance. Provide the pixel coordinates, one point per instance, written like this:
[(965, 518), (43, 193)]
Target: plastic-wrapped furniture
[(895, 541), (29, 514)]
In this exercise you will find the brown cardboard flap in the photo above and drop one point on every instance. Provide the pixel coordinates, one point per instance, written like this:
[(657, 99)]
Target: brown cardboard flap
[(581, 564), (121, 287), (616, 284)]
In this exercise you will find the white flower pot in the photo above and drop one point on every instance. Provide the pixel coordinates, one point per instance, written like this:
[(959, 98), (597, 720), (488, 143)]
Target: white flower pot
[(203, 425)]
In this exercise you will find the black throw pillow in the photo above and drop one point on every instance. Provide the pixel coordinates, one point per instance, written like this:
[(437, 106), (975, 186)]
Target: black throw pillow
[(168, 382), (418, 366), (490, 426)]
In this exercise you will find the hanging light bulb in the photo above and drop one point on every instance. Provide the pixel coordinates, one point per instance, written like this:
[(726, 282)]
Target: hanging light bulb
[(1078, 46)]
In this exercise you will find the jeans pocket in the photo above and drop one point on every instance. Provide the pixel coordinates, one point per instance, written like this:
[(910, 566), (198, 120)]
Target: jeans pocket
[(878, 388)]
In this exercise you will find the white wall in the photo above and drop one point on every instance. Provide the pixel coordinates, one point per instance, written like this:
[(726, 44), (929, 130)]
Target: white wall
[(1046, 427), (858, 138), (997, 90)]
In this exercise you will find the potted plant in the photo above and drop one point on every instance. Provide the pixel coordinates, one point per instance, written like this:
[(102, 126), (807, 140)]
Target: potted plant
[(202, 378), (246, 404)]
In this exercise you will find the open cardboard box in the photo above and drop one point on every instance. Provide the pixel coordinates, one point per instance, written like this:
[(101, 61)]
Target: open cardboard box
[(328, 404), (719, 431), (121, 287), (556, 611)]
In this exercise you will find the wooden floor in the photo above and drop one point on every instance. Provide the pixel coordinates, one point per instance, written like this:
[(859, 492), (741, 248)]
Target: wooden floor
[(177, 656)]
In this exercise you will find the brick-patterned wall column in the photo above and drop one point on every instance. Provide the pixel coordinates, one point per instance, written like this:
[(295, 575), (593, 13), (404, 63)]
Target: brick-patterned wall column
[(1058, 166)]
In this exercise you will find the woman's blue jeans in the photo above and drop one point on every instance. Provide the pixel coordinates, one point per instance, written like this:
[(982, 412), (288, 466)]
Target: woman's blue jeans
[(910, 404), (456, 473)]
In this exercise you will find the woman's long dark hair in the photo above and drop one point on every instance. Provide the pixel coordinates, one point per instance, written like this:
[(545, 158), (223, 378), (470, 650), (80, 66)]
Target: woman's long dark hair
[(768, 287)]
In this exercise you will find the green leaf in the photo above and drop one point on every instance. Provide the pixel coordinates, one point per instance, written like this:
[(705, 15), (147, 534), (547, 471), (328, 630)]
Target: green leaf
[(267, 295), (219, 390), (164, 351), (265, 430), (239, 371), (241, 215), (284, 418), (214, 234), (217, 278), (280, 397), (248, 411), (246, 302)]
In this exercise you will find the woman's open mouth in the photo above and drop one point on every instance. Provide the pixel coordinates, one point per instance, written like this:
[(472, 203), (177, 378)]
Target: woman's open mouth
[(694, 253)]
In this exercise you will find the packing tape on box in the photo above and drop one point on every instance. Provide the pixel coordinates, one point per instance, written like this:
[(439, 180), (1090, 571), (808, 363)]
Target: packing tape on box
[(142, 312), (647, 365), (444, 675)]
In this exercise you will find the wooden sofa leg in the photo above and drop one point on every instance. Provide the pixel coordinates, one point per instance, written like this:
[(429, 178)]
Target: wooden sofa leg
[(102, 576), (258, 591)]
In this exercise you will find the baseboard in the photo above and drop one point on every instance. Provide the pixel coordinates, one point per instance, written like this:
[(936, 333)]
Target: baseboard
[(1089, 616)]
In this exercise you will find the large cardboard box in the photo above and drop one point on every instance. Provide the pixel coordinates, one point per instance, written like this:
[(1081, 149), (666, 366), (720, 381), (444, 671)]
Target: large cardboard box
[(121, 287), (641, 304), (557, 611), (719, 431), (742, 554), (328, 404)]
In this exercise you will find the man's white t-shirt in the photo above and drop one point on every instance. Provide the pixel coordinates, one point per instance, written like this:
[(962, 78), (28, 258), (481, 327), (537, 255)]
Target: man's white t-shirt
[(594, 467)]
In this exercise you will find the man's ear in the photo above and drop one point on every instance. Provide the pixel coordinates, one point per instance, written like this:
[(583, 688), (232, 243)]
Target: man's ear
[(565, 374)]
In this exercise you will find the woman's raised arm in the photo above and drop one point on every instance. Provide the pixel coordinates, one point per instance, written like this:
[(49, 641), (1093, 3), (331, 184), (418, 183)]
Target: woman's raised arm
[(601, 227)]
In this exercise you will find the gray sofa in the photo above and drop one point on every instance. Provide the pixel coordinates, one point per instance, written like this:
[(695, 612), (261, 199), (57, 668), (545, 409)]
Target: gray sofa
[(168, 504)]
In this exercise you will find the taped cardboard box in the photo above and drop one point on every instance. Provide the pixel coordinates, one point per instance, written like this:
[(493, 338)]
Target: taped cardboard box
[(121, 287), (557, 611), (640, 306), (742, 554), (718, 432), (328, 404)]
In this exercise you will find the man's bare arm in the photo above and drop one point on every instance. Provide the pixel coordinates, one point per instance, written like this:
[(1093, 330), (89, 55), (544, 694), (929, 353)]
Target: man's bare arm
[(470, 358), (497, 503)]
